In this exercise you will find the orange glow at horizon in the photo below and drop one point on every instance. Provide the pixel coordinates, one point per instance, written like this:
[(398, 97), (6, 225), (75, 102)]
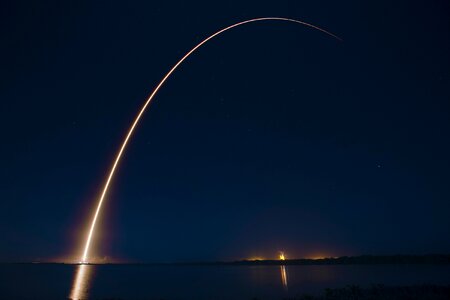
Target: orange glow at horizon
[(256, 258), (282, 256), (85, 256), (319, 256)]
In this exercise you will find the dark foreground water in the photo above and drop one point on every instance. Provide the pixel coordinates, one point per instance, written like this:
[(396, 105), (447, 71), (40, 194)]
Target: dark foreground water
[(201, 282)]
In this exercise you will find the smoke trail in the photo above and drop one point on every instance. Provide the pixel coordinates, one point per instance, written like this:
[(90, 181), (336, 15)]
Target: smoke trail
[(149, 99)]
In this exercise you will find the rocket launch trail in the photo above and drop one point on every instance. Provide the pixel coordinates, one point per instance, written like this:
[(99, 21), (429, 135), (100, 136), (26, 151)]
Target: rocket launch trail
[(85, 256)]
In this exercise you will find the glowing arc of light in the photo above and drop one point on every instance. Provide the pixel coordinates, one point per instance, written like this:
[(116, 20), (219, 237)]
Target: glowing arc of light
[(149, 99)]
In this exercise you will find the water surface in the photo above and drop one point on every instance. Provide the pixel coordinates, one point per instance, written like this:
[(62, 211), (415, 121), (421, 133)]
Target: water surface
[(40, 281)]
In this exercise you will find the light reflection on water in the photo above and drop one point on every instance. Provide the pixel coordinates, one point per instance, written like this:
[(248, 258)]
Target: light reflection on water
[(81, 283), (83, 280), (284, 278), (206, 282)]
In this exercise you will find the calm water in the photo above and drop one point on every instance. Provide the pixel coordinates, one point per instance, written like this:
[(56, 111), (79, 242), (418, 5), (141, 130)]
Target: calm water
[(200, 282)]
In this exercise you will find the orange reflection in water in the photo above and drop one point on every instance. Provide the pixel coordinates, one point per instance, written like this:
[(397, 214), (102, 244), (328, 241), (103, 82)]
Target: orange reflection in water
[(284, 279), (81, 283)]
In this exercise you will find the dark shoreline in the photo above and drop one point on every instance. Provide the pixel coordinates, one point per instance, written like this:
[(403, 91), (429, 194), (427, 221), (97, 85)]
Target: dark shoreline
[(432, 259), (381, 292)]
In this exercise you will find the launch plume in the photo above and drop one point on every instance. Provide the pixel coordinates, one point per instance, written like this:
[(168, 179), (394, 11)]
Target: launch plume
[(84, 258)]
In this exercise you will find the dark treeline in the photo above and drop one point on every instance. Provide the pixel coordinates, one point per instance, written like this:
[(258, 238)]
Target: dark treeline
[(356, 260), (441, 259), (380, 292)]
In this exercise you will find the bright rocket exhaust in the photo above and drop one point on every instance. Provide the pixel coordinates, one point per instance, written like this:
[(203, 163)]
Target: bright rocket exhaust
[(84, 258)]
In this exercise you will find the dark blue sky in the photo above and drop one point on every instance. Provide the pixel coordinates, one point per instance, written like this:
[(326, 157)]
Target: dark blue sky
[(271, 137)]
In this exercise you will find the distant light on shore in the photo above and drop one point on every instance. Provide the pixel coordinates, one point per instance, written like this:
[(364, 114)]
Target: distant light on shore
[(320, 256), (255, 258)]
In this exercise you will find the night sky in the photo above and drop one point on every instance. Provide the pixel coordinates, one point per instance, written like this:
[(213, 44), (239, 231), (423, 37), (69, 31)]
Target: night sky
[(272, 137)]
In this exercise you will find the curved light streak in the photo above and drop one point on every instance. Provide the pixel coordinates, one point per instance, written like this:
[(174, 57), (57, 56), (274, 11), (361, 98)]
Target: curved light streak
[(149, 99)]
